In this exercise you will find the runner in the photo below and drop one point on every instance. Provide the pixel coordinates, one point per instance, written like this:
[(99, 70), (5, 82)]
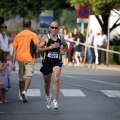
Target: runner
[(52, 62)]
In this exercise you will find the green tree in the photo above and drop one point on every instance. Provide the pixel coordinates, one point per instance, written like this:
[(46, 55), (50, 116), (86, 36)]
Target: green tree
[(99, 7), (67, 19), (62, 12), (23, 8), (56, 6)]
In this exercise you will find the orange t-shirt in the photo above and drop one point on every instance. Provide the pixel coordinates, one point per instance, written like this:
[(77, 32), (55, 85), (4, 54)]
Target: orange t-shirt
[(22, 44)]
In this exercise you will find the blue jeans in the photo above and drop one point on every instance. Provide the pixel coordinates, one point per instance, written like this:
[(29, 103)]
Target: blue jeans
[(8, 83), (90, 55)]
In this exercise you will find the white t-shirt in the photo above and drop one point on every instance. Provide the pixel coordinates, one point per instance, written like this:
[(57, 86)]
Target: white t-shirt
[(90, 39), (102, 40), (97, 38), (4, 43)]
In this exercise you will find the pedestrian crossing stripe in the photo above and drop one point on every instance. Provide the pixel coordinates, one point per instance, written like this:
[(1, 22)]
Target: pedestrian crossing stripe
[(33, 92), (72, 93), (111, 93)]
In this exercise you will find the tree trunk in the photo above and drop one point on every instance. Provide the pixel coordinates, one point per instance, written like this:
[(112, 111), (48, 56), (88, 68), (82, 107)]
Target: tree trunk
[(105, 19), (104, 24)]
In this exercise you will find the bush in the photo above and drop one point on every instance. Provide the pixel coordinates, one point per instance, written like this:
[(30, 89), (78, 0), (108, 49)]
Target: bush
[(113, 57), (115, 40)]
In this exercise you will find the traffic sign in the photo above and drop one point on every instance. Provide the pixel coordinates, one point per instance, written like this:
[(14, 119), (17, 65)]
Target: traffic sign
[(83, 12)]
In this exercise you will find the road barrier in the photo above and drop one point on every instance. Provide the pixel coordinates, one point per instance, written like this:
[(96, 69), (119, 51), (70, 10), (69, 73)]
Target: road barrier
[(84, 44)]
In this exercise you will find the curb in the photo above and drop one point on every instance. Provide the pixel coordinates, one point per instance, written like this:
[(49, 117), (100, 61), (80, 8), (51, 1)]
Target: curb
[(101, 67)]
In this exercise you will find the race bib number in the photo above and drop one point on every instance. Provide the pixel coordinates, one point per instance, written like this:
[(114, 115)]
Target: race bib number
[(53, 55)]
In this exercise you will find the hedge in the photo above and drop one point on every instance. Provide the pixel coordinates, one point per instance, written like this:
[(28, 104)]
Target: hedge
[(114, 58)]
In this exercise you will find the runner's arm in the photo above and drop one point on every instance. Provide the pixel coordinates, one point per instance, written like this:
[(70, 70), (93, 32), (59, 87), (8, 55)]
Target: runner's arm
[(40, 46), (65, 46)]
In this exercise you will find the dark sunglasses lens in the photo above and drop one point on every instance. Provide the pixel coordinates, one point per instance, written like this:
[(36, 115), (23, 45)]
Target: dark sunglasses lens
[(54, 27)]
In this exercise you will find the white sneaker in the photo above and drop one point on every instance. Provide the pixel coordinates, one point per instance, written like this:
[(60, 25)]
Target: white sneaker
[(24, 96), (48, 103), (96, 63), (55, 104), (20, 98)]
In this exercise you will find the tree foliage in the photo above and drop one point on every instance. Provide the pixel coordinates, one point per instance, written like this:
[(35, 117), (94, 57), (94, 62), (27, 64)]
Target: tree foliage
[(23, 8), (55, 4), (29, 8), (99, 7), (67, 19)]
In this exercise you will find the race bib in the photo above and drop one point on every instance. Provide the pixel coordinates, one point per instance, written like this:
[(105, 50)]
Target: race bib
[(53, 55)]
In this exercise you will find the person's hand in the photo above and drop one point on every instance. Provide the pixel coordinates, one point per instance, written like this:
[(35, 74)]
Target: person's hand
[(77, 43), (55, 45), (13, 67), (62, 51)]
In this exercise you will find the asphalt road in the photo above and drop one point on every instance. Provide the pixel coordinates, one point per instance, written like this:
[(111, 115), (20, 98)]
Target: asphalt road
[(85, 94)]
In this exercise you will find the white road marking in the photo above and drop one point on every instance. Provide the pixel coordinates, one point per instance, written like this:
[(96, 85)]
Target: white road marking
[(72, 93), (33, 92), (111, 93), (97, 81)]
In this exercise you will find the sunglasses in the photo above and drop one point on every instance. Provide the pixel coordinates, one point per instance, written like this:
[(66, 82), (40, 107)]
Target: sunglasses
[(3, 27), (54, 27)]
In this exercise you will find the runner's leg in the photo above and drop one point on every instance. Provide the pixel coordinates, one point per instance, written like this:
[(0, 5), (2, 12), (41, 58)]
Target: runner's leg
[(56, 85), (47, 81)]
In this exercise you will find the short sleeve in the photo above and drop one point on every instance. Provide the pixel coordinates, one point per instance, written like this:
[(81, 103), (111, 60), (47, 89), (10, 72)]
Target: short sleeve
[(35, 38)]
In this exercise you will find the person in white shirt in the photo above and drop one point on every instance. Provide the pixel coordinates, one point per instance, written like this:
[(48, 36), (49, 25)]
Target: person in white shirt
[(3, 37), (4, 45), (102, 43), (89, 49), (97, 37)]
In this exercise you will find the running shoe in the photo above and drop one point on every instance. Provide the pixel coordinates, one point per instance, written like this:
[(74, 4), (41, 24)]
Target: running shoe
[(48, 103), (55, 104), (20, 98), (24, 96)]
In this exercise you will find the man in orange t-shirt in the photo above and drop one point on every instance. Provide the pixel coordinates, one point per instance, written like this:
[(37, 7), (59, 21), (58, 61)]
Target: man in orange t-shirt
[(22, 51)]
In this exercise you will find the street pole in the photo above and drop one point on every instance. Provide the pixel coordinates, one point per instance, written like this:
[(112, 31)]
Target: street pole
[(85, 53), (108, 42)]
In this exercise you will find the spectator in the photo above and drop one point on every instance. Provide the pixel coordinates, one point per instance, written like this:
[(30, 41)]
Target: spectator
[(77, 47), (71, 49), (5, 69), (97, 37), (4, 43), (66, 35), (61, 31), (65, 57), (89, 49), (78, 52), (3, 37), (75, 35), (102, 43)]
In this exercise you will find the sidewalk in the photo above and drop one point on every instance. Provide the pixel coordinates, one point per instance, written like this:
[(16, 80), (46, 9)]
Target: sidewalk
[(102, 66), (90, 66)]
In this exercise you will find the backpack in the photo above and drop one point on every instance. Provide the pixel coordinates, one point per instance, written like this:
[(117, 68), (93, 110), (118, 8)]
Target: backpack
[(32, 49)]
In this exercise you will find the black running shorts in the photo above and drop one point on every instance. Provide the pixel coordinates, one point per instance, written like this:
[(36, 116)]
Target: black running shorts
[(47, 68)]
